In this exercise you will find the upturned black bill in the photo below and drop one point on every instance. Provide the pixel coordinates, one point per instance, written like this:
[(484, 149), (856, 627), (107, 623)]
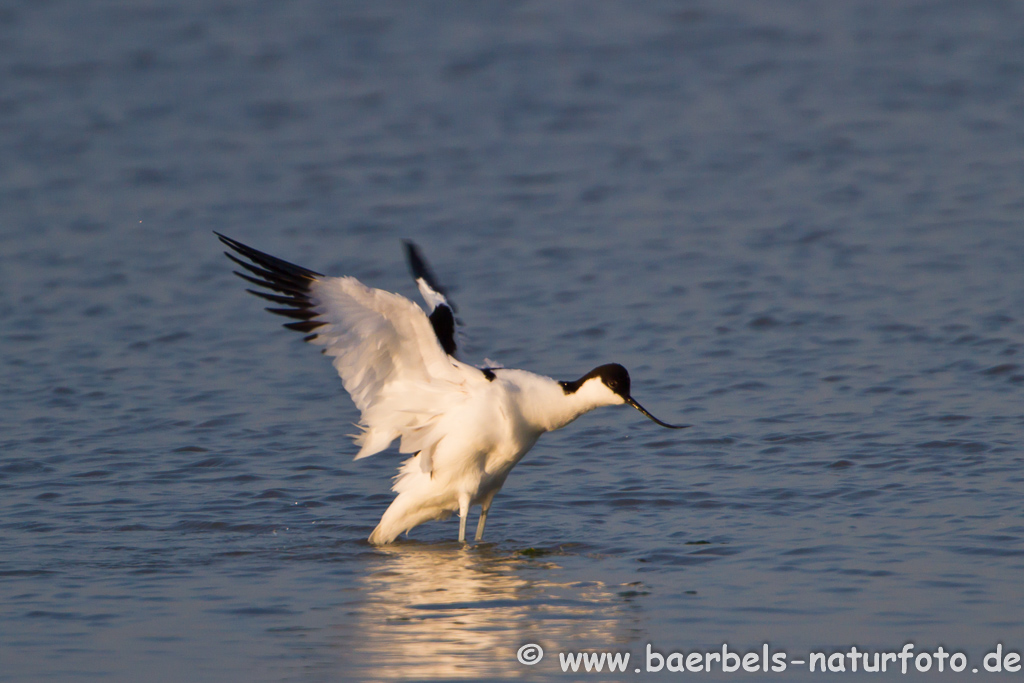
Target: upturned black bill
[(643, 410)]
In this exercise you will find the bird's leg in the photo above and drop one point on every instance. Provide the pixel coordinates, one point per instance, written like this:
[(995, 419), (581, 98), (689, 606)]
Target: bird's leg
[(463, 515), (483, 520), (485, 505)]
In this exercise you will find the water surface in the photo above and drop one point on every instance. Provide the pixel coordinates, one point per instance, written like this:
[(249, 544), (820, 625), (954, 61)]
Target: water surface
[(797, 224)]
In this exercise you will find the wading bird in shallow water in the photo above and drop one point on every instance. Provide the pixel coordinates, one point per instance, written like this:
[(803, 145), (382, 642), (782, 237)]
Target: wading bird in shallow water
[(466, 427)]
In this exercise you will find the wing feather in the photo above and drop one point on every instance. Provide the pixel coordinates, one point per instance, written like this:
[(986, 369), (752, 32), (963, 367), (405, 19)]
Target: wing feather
[(383, 346), (390, 361), (441, 310)]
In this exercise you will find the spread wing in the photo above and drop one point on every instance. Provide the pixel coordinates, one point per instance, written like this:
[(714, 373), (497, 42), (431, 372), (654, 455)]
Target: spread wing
[(383, 346), (442, 311)]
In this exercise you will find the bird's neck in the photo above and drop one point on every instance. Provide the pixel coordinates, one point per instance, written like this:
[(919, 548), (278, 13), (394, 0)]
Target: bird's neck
[(546, 406)]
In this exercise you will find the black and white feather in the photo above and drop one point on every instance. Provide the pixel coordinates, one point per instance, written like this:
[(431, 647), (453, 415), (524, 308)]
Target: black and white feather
[(466, 427), (292, 283), (384, 347), (442, 310)]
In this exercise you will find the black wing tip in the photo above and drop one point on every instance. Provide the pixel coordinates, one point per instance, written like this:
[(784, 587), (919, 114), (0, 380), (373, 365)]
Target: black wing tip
[(293, 313), (277, 275), (443, 322), (267, 261), (234, 244), (275, 286), (442, 318), (419, 268), (417, 264), (293, 301), (306, 326)]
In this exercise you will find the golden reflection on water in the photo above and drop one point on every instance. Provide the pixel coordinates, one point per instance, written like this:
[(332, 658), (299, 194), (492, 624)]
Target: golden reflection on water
[(447, 611)]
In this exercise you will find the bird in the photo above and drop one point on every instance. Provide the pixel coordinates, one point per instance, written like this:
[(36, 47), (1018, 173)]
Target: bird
[(466, 426)]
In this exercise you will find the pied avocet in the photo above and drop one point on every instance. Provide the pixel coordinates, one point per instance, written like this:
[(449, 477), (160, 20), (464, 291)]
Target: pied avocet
[(467, 426)]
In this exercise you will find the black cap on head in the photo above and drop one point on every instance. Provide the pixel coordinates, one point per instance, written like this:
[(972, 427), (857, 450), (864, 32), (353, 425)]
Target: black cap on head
[(616, 378)]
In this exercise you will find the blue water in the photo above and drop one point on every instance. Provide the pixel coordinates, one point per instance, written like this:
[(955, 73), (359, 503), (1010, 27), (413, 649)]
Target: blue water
[(798, 225)]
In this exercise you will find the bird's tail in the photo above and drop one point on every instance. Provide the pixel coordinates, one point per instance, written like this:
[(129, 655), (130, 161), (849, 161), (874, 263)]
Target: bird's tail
[(404, 514)]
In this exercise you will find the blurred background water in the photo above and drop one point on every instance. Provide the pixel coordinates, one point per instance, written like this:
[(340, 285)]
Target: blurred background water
[(797, 223)]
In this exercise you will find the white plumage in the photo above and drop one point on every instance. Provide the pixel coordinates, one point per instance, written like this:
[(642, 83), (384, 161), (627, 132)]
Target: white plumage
[(389, 360), (466, 426)]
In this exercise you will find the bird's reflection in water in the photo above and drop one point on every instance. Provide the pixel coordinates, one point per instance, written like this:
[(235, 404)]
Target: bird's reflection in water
[(447, 611)]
